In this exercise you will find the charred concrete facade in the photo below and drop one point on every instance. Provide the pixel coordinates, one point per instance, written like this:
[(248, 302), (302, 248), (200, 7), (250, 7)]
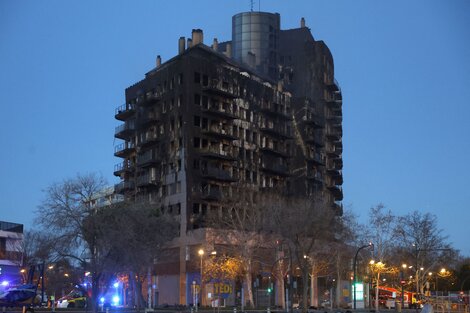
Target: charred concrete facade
[(212, 120)]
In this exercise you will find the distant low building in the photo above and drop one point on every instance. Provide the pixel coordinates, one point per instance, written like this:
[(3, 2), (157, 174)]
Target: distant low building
[(11, 257)]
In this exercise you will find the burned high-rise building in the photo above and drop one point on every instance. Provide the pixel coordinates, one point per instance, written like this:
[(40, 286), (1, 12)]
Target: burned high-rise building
[(263, 109)]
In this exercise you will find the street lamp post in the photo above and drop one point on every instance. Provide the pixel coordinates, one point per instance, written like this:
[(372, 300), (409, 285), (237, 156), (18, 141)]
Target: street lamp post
[(201, 253), (354, 270), (402, 282)]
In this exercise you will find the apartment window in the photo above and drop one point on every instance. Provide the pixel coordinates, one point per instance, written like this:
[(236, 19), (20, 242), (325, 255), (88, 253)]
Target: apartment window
[(196, 208), (204, 123), (197, 78), (179, 164), (205, 102), (197, 99), (180, 100), (205, 80), (196, 164), (180, 142), (178, 187), (197, 142), (180, 78)]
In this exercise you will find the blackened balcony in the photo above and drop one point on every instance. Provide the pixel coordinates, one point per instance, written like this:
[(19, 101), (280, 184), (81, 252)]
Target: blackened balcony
[(148, 158), (215, 173), (275, 109), (316, 157), (220, 132), (151, 179), (332, 84), (333, 169), (314, 120), (216, 152), (276, 151), (148, 119), (276, 169), (123, 167), (151, 97), (220, 110), (221, 88), (125, 130), (334, 133), (337, 192), (315, 138), (276, 130), (334, 150), (124, 186), (211, 193), (123, 112), (337, 207), (334, 104), (124, 149), (149, 138), (316, 177)]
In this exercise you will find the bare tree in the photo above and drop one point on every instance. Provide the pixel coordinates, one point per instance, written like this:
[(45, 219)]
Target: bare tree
[(380, 231), (106, 240), (242, 220), (423, 243), (306, 224)]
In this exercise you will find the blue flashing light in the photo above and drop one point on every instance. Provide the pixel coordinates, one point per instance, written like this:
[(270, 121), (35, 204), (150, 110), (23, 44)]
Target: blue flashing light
[(5, 283), (116, 284), (102, 299), (116, 300)]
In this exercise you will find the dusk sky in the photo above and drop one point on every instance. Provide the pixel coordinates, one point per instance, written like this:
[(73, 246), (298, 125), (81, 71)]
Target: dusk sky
[(403, 67)]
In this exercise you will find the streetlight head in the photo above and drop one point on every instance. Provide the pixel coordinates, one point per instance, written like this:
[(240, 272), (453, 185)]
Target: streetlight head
[(443, 270), (200, 252), (404, 265), (421, 268), (214, 252), (430, 273), (371, 262)]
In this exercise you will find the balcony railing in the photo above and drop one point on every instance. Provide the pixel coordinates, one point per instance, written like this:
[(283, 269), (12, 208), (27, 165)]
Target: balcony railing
[(124, 111), (316, 157), (315, 176), (315, 137), (125, 130), (123, 149), (275, 151), (219, 109), (149, 119), (276, 130), (220, 132), (217, 152), (122, 167), (275, 109), (147, 158), (217, 174), (211, 193), (221, 88), (149, 179), (124, 186), (277, 169), (149, 138), (314, 120)]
